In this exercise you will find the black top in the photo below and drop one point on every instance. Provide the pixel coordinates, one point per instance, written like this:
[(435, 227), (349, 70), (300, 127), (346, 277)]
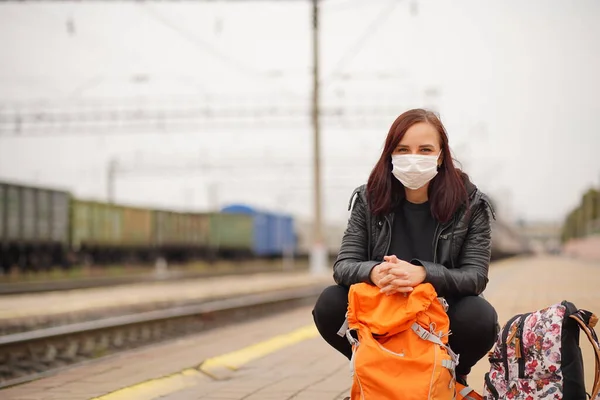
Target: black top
[(412, 232)]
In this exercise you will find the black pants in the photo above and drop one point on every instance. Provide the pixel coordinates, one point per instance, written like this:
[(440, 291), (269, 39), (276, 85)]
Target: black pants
[(473, 322)]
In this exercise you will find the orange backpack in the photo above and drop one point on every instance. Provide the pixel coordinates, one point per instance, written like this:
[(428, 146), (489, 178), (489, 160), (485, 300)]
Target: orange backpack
[(400, 350)]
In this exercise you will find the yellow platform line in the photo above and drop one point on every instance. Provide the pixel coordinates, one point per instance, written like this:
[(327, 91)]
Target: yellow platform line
[(236, 359), (157, 387), (216, 368)]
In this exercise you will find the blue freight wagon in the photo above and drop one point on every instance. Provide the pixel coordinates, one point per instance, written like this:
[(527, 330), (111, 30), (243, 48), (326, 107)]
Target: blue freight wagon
[(283, 238), (273, 234)]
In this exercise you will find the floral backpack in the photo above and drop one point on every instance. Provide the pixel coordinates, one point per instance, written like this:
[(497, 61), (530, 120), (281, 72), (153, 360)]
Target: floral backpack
[(537, 356)]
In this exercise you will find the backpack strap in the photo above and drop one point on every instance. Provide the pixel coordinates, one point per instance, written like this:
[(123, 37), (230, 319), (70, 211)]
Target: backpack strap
[(467, 393), (344, 328), (426, 335), (430, 336), (586, 321)]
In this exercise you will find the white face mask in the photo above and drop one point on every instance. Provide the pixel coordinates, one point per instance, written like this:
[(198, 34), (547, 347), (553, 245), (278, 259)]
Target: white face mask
[(414, 170)]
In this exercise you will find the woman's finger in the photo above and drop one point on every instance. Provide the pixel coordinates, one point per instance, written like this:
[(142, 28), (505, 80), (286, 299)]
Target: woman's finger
[(399, 282), (385, 266), (399, 272), (391, 289), (391, 278), (395, 282), (386, 280), (404, 289)]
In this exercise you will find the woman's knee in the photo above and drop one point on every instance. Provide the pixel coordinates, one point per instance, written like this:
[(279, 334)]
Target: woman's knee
[(329, 314), (330, 308), (473, 316)]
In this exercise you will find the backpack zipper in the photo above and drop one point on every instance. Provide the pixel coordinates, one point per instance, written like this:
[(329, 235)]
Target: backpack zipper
[(362, 394), (505, 344), (519, 348), (435, 357), (389, 351)]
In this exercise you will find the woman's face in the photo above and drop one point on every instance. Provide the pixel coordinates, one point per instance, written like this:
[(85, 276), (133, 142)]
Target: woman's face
[(421, 138)]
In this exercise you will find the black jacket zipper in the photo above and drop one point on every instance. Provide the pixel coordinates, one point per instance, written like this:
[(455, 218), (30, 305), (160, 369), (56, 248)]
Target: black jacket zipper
[(435, 241), (389, 242), (436, 238)]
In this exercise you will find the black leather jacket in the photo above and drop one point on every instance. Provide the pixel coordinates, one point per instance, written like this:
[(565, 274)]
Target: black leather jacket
[(462, 246)]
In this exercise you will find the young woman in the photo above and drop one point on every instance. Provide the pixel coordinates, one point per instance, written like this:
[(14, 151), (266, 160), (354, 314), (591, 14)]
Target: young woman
[(418, 219)]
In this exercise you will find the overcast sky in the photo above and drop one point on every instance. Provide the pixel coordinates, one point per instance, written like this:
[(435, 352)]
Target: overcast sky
[(518, 88)]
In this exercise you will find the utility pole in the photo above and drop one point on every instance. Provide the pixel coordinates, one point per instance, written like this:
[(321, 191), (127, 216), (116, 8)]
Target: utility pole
[(318, 256)]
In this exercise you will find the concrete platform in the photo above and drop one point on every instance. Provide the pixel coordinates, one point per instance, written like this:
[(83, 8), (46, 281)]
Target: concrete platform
[(281, 356)]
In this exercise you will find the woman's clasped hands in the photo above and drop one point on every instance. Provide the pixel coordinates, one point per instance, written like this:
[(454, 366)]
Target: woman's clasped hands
[(397, 276)]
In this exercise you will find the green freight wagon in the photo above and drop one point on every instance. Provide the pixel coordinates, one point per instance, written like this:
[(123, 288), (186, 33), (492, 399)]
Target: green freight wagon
[(105, 233), (165, 228), (180, 236), (231, 234), (95, 225), (137, 227), (34, 225), (96, 230), (199, 225)]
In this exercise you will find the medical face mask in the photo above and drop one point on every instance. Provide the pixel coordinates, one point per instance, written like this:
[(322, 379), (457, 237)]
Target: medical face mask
[(414, 170)]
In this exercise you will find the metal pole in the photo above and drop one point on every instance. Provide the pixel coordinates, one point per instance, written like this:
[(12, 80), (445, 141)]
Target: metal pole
[(318, 255)]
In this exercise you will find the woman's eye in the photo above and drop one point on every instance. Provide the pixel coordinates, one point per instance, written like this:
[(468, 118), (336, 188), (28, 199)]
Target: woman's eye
[(426, 150)]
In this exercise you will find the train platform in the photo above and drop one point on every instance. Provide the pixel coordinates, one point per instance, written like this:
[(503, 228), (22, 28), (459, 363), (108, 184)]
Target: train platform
[(281, 356), (22, 312)]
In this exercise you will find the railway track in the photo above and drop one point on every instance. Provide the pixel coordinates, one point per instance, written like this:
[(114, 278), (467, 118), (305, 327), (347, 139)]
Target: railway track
[(32, 355), (88, 283)]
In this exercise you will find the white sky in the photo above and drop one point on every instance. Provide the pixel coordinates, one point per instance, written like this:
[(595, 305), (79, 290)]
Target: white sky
[(518, 85)]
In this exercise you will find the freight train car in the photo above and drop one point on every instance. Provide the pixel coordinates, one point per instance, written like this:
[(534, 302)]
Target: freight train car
[(40, 228), (272, 234), (105, 233), (231, 235), (34, 227), (180, 236)]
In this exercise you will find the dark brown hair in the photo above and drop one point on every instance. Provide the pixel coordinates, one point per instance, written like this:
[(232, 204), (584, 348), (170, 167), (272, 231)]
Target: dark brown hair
[(446, 190)]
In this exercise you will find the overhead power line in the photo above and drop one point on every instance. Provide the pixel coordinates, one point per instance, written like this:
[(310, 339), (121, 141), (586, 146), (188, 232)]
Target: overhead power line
[(41, 121), (357, 46), (201, 44), (209, 49)]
